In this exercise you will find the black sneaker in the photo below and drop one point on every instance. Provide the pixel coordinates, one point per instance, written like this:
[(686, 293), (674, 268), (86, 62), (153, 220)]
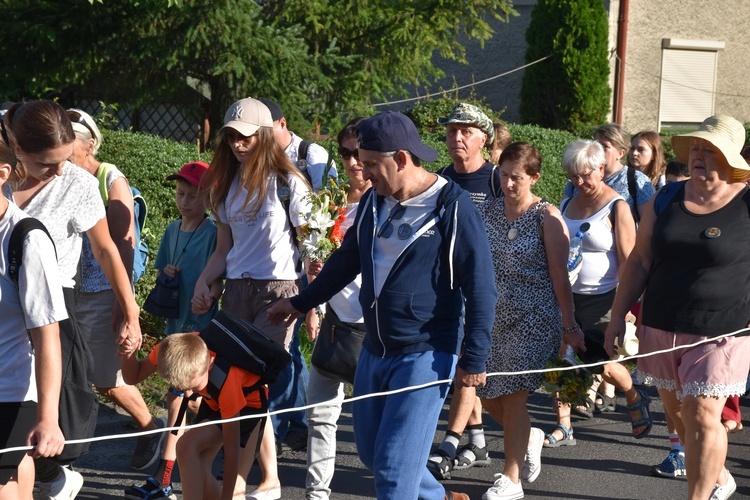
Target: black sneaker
[(147, 448), (296, 440), (151, 489)]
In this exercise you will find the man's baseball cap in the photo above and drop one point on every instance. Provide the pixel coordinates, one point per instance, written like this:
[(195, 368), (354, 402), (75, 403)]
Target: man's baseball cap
[(392, 131), (273, 107), (470, 115), (191, 172), (246, 116)]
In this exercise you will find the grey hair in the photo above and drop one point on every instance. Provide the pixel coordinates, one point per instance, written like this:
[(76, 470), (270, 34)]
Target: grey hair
[(582, 156)]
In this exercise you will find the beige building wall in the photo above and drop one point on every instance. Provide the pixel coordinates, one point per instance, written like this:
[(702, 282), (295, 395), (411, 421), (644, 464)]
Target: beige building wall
[(725, 21)]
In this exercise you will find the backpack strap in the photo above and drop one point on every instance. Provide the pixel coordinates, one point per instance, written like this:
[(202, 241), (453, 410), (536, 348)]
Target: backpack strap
[(284, 192), (302, 160), (15, 245), (665, 194), (633, 190), (565, 203), (101, 176)]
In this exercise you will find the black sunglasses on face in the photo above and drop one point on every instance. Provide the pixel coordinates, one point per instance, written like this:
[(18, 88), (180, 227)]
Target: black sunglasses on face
[(347, 154), (386, 230)]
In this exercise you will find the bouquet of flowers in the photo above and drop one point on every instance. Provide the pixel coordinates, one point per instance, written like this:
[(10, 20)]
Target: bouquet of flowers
[(322, 234), (572, 386)]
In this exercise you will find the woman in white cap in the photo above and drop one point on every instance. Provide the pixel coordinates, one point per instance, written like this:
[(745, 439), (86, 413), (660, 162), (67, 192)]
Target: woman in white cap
[(97, 300), (258, 197), (693, 251)]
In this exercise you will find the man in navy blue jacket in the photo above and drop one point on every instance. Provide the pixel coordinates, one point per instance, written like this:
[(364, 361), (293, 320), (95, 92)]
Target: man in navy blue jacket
[(422, 250)]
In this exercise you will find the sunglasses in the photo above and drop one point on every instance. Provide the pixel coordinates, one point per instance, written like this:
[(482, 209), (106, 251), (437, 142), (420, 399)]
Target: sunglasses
[(386, 230), (347, 154), (78, 118)]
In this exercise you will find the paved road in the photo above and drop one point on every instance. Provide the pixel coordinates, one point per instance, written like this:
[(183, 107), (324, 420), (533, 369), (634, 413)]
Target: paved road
[(606, 464)]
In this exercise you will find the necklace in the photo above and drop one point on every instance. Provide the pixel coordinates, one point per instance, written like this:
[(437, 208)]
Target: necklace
[(177, 257), (419, 186)]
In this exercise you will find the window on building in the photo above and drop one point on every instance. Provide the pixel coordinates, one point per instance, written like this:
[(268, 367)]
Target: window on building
[(688, 82)]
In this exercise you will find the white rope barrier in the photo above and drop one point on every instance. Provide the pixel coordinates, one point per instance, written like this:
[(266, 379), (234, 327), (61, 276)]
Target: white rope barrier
[(384, 393), (455, 89)]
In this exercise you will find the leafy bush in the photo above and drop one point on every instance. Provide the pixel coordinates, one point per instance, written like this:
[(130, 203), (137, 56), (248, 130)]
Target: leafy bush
[(146, 160)]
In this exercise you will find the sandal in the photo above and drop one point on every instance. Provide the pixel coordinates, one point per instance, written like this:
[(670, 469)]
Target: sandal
[(586, 411), (608, 405), (441, 469), (732, 426), (643, 406), (550, 441), (470, 455)]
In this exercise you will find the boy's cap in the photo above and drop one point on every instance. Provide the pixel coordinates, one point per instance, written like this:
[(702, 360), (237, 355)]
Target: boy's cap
[(470, 115), (191, 172), (246, 116), (392, 131), (273, 107)]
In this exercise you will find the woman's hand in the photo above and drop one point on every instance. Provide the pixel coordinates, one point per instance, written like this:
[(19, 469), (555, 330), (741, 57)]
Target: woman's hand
[(130, 337), (575, 339), (312, 324), (615, 330), (202, 300), (47, 438)]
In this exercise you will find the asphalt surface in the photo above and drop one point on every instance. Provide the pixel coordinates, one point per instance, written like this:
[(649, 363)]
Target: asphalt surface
[(606, 463)]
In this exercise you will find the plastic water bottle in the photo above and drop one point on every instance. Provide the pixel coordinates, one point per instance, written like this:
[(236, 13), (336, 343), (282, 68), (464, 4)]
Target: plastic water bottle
[(576, 251)]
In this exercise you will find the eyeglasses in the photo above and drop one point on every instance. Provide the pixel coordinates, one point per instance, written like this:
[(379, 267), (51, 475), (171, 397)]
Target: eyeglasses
[(386, 230), (233, 137), (347, 154), (581, 177)]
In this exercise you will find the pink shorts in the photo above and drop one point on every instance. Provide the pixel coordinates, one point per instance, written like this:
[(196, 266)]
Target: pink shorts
[(714, 369)]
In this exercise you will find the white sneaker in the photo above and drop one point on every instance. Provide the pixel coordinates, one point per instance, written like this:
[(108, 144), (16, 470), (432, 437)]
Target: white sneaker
[(532, 462), (65, 487), (726, 491), (503, 489)]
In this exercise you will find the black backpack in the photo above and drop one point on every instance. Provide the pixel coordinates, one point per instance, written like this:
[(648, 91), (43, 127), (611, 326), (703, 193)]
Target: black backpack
[(15, 245), (238, 342)]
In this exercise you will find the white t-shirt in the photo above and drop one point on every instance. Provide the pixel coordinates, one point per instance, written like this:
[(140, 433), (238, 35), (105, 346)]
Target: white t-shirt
[(346, 302), (38, 301), (69, 205), (317, 161), (599, 264), (262, 242), (387, 250)]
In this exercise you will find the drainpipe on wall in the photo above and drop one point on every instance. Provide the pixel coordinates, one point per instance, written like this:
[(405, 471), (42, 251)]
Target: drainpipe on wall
[(622, 42)]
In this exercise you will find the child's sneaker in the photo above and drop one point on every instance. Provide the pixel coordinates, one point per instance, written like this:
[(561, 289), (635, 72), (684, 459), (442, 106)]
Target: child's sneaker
[(151, 489), (672, 466)]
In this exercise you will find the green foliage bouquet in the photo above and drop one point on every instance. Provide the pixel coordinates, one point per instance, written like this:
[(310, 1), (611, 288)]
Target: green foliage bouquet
[(571, 386)]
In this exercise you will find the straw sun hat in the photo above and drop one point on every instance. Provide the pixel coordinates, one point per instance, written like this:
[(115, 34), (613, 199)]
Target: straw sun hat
[(723, 132)]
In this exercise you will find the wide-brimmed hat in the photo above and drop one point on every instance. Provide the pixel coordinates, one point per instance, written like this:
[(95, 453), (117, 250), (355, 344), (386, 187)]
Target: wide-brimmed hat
[(246, 116), (392, 131), (725, 134), (471, 115)]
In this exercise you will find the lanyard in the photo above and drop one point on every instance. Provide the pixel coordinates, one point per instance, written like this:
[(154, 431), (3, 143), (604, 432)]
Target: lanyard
[(177, 240)]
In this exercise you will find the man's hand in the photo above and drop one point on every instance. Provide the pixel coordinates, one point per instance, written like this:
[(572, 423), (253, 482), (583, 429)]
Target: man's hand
[(282, 312), (465, 379), (170, 270)]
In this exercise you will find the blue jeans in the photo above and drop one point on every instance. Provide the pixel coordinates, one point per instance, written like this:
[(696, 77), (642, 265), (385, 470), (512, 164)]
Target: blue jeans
[(394, 433), (290, 391)]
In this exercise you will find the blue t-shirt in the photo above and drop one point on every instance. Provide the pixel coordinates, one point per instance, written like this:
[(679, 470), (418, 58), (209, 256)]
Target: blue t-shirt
[(190, 252), (480, 184), (644, 190)]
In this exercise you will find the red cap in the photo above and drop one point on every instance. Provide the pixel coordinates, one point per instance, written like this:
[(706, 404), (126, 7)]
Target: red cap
[(191, 172)]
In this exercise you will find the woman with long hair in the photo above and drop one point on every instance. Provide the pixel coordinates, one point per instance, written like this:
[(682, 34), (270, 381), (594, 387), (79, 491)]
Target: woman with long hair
[(257, 196), (647, 155), (67, 201)]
